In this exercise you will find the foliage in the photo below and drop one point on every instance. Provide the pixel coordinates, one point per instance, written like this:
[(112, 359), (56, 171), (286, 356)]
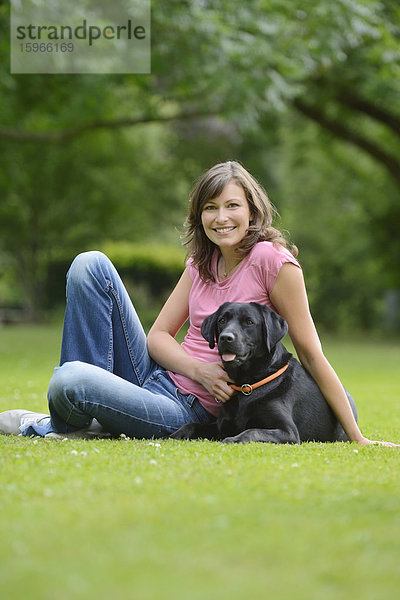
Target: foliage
[(136, 518), (151, 257), (152, 268), (324, 205), (97, 158), (149, 272), (64, 201)]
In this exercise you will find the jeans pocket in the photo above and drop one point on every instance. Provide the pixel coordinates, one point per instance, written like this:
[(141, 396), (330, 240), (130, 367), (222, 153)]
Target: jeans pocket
[(159, 382)]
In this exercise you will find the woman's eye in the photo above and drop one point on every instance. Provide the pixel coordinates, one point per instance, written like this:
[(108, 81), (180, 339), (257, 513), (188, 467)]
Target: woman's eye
[(209, 207)]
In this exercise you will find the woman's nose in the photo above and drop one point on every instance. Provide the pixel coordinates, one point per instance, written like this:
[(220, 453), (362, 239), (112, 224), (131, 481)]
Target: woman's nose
[(221, 216)]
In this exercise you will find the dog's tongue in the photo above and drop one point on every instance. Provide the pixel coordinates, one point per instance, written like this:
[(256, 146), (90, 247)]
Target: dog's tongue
[(228, 357)]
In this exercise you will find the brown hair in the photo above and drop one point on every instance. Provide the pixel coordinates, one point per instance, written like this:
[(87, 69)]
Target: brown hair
[(209, 186)]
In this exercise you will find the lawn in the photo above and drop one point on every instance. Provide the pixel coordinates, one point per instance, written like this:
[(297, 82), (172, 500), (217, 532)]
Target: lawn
[(200, 520)]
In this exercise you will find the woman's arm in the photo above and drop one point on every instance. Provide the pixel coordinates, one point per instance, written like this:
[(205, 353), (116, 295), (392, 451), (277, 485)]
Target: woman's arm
[(289, 296), (168, 353)]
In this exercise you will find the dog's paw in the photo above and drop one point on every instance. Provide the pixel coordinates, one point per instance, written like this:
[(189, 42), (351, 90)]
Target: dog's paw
[(237, 439), (229, 440), (186, 432)]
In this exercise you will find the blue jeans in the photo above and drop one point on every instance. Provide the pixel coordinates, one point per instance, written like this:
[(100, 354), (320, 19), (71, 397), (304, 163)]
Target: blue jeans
[(106, 372)]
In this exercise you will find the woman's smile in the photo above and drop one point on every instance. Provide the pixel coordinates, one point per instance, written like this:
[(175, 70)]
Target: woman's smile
[(223, 230)]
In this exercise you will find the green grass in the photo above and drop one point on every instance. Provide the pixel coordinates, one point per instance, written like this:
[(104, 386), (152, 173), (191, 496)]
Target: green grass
[(200, 520)]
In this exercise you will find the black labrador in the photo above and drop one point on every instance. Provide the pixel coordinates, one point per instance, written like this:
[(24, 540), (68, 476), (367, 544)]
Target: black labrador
[(276, 400)]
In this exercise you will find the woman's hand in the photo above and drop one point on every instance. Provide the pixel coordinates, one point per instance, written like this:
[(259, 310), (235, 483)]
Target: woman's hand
[(214, 378), (366, 442)]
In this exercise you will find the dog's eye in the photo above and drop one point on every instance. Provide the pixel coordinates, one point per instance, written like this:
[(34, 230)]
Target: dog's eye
[(249, 322), (221, 321)]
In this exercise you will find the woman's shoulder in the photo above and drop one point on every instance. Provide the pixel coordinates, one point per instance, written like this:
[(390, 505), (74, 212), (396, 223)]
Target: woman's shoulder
[(266, 260), (271, 256), (270, 250)]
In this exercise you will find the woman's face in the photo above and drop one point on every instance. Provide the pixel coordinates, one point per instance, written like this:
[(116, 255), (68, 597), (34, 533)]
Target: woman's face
[(226, 218)]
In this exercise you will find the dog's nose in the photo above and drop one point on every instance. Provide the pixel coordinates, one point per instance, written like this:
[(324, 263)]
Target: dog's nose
[(226, 336)]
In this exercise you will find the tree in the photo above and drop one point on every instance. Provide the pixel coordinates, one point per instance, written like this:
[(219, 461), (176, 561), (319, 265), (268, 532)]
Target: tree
[(252, 66)]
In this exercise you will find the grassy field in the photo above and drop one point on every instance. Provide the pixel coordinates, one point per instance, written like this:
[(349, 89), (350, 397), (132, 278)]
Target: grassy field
[(200, 520)]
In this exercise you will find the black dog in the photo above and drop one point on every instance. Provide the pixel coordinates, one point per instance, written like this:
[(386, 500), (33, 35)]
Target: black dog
[(287, 408)]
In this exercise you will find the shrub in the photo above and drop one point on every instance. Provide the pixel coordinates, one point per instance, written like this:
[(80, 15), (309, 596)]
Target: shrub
[(149, 272)]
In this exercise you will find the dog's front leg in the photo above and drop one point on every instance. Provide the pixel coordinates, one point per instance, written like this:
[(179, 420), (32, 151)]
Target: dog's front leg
[(193, 431), (272, 436)]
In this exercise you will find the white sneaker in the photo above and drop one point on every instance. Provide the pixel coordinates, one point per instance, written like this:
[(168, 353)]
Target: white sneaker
[(94, 430), (12, 420)]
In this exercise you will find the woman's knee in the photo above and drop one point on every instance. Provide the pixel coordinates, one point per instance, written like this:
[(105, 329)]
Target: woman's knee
[(65, 395), (85, 265), (65, 381)]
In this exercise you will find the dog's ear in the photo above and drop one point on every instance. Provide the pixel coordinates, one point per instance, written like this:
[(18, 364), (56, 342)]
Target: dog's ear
[(209, 327), (275, 326)]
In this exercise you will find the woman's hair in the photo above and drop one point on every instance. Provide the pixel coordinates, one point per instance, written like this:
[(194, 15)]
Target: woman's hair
[(209, 186)]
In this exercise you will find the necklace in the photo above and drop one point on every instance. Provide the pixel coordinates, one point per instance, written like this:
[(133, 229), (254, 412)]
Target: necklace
[(226, 272)]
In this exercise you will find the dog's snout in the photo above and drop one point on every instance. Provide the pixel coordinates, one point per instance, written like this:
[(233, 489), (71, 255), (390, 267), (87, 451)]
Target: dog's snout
[(227, 337)]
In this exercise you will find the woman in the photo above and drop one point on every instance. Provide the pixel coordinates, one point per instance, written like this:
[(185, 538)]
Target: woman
[(110, 375)]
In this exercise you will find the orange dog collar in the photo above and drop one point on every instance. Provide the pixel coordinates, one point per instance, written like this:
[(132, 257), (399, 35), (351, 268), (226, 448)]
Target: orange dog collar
[(247, 388)]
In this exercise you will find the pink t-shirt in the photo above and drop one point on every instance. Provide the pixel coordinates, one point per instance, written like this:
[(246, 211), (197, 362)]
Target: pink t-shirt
[(251, 282)]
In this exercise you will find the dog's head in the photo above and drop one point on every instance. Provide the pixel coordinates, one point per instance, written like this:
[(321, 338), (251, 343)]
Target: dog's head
[(243, 331)]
